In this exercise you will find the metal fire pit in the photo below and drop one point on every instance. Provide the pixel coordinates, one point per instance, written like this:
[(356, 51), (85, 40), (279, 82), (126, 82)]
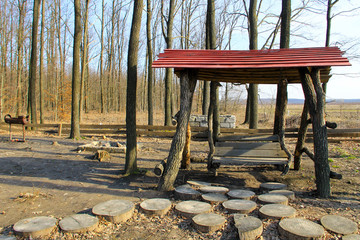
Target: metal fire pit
[(20, 120)]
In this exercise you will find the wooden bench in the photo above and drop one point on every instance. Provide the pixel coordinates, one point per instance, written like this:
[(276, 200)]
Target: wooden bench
[(249, 150)]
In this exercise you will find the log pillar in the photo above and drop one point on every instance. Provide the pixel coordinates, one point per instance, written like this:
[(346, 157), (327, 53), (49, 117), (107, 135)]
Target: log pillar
[(280, 109), (315, 100), (301, 137), (187, 88)]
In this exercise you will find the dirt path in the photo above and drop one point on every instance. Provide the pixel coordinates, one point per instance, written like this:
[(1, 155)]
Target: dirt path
[(40, 178)]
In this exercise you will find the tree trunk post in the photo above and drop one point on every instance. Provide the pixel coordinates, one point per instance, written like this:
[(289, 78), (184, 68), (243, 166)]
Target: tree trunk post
[(315, 100), (280, 110), (185, 163), (301, 137), (187, 88)]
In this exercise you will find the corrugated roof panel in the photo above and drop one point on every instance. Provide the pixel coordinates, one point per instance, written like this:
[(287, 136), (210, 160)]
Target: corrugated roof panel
[(257, 66)]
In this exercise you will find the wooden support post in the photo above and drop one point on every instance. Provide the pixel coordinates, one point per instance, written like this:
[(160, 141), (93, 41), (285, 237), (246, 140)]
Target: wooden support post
[(185, 162), (187, 88), (315, 100), (60, 129), (301, 137), (280, 109)]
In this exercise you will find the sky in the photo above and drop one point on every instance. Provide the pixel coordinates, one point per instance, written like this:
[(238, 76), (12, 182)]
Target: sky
[(345, 81)]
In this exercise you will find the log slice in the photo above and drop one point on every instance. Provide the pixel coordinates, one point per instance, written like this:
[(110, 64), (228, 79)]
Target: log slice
[(339, 224), (351, 237), (208, 222), (35, 227), (269, 186), (273, 199), (156, 206), (185, 192), (239, 206), (114, 211), (79, 223), (214, 189), (300, 229), (277, 211), (214, 198), (249, 228), (287, 193), (241, 194), (191, 208)]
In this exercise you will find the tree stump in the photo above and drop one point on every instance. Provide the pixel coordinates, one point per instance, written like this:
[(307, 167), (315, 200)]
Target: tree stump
[(208, 222), (185, 192), (287, 193), (277, 211), (156, 206), (102, 155), (269, 186), (351, 237), (214, 198), (339, 224), (239, 206), (198, 183), (114, 211), (214, 189), (241, 194), (35, 227), (249, 227), (191, 208), (300, 229), (79, 223), (273, 199)]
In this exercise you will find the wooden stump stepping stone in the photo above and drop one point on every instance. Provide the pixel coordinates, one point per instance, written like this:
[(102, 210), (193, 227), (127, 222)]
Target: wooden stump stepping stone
[(156, 206), (273, 199), (239, 206), (208, 222), (287, 193), (277, 211), (300, 229), (35, 227), (214, 189), (198, 183), (347, 237), (269, 186), (191, 208), (79, 223), (241, 194), (114, 211), (339, 224), (185, 192), (214, 198), (249, 227)]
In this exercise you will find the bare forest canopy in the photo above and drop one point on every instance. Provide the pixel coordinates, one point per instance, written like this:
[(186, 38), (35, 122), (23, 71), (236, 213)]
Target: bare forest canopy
[(104, 46)]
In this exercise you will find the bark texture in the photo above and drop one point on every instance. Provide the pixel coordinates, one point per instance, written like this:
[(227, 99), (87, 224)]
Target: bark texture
[(187, 88), (131, 153), (315, 100)]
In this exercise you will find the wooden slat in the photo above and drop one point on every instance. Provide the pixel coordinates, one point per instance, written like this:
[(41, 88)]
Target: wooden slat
[(249, 161), (248, 138), (248, 145), (233, 152)]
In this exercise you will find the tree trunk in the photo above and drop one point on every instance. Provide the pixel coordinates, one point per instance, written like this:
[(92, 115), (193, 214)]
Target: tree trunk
[(75, 106), (33, 64), (84, 59), (41, 80), (315, 100), (150, 70), (131, 153), (301, 137), (3, 66), (282, 88), (168, 71), (102, 94), (187, 84), (185, 162), (253, 88)]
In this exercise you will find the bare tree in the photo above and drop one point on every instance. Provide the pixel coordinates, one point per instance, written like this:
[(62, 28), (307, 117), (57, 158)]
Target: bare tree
[(33, 64), (150, 60), (76, 81), (131, 152), (41, 79)]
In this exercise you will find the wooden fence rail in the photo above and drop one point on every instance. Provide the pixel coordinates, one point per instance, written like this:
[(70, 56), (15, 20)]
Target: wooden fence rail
[(169, 131)]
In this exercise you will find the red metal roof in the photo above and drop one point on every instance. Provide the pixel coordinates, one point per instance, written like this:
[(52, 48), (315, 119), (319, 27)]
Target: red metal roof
[(257, 66)]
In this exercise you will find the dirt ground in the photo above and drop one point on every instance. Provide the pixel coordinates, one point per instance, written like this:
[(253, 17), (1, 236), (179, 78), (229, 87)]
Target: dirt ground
[(40, 178)]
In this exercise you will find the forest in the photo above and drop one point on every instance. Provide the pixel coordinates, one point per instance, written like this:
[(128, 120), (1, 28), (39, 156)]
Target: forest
[(39, 39)]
